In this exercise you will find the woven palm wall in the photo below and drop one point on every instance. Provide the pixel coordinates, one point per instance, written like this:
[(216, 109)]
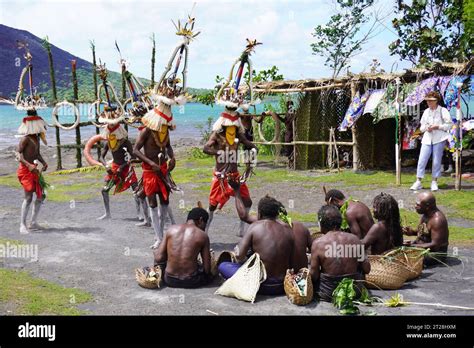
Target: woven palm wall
[(317, 112)]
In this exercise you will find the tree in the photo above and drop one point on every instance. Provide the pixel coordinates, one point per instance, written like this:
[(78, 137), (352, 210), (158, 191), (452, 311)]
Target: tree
[(431, 30), (342, 37)]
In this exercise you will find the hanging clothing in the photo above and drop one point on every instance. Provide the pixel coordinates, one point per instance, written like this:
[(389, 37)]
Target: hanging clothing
[(386, 108), (374, 100), (418, 95), (409, 142), (452, 91), (443, 83), (354, 111)]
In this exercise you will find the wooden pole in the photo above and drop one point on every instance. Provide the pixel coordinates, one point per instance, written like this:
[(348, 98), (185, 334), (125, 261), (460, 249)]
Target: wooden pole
[(153, 52), (94, 75), (294, 90), (398, 138), (124, 91), (78, 129), (340, 143), (355, 150), (458, 162), (47, 47)]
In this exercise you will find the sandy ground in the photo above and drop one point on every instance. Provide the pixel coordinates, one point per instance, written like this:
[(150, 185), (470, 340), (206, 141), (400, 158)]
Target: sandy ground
[(75, 250)]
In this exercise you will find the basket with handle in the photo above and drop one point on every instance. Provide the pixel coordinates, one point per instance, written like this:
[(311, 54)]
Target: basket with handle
[(245, 283)]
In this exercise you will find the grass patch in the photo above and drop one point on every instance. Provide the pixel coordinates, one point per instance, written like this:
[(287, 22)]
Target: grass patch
[(460, 203), (33, 296), (303, 217), (63, 188)]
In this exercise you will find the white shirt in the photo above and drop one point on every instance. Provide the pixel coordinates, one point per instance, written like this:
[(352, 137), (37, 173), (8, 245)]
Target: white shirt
[(438, 117)]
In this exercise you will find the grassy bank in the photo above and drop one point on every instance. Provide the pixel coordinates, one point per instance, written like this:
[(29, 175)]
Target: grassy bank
[(32, 296)]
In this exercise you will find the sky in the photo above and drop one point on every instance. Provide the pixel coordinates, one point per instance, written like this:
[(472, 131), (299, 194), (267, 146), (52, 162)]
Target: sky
[(283, 26)]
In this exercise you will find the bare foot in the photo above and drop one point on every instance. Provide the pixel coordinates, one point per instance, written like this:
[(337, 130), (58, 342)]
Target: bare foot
[(140, 218), (155, 245), (24, 229), (35, 227), (143, 224), (104, 217)]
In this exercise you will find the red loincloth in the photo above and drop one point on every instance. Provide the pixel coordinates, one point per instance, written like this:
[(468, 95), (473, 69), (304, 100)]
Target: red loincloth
[(29, 180), (152, 183), (119, 180), (220, 195)]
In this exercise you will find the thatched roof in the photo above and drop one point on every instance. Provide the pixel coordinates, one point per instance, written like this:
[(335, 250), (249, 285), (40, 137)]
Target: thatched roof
[(409, 75)]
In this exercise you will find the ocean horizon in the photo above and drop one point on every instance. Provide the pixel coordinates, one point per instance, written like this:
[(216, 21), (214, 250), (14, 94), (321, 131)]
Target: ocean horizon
[(187, 119)]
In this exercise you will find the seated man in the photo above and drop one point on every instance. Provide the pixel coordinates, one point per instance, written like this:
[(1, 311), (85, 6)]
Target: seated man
[(273, 240), (336, 255), (432, 232), (356, 215), (386, 234), (178, 254), (303, 240)]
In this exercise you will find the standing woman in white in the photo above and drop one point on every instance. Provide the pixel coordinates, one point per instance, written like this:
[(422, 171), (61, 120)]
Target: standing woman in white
[(435, 124)]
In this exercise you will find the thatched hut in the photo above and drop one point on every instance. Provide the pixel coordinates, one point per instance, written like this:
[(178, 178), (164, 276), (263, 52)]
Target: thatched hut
[(322, 106)]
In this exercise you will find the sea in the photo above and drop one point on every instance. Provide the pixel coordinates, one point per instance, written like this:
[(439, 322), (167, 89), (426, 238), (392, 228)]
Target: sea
[(188, 118)]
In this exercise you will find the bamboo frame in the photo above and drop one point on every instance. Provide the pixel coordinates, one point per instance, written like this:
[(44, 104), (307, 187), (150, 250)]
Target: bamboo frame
[(295, 90), (337, 143)]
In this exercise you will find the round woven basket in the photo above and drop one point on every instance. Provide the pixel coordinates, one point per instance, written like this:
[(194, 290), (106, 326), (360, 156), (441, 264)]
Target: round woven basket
[(291, 288), (412, 258), (386, 273), (226, 256), (145, 282)]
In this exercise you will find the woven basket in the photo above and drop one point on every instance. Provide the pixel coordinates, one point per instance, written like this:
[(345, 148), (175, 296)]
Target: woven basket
[(412, 258), (226, 256), (293, 292), (386, 273), (145, 282)]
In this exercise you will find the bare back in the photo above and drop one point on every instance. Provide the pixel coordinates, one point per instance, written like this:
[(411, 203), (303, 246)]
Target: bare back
[(359, 218), (182, 245), (325, 255), (274, 242)]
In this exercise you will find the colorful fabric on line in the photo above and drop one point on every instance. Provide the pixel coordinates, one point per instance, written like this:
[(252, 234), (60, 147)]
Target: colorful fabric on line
[(387, 108), (443, 83), (354, 111), (374, 100), (452, 91), (418, 95)]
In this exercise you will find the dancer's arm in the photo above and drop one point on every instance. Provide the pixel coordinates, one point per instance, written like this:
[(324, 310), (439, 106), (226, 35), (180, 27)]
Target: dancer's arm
[(43, 162), (172, 161), (209, 147), (247, 143), (102, 155)]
